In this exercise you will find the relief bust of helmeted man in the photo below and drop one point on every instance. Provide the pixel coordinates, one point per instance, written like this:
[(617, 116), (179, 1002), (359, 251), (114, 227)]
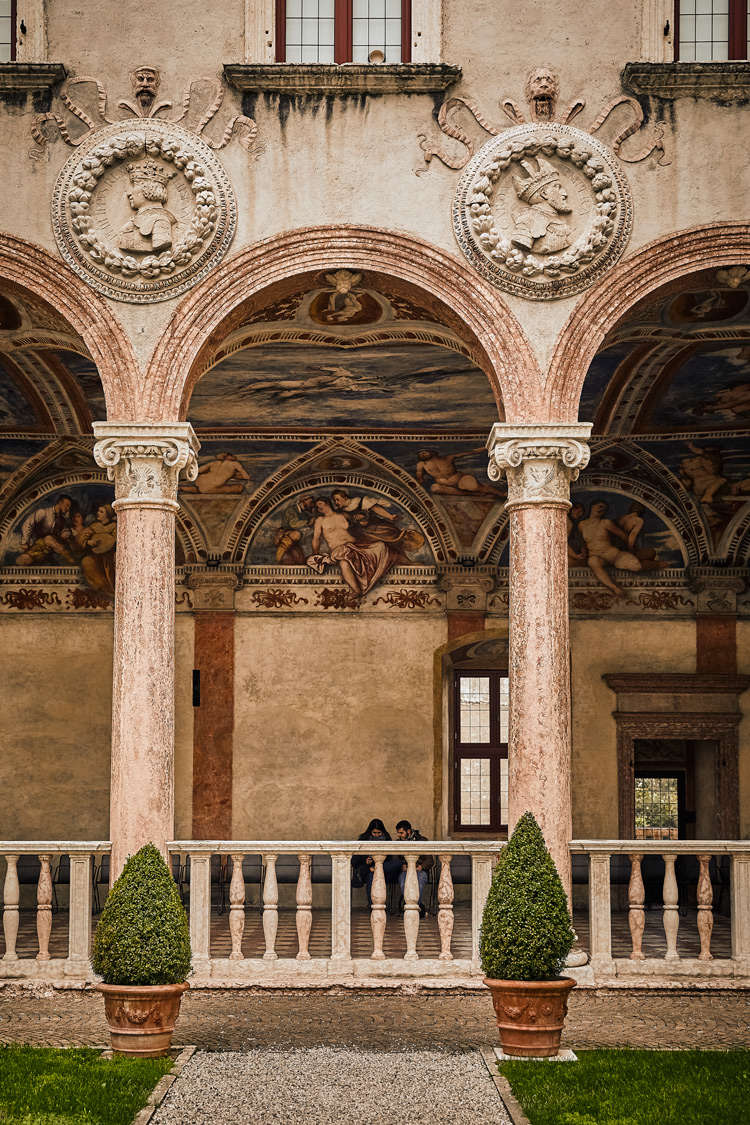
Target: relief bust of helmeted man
[(539, 227), (151, 229)]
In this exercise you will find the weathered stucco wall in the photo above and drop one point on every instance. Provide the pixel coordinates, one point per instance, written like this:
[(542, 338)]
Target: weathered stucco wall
[(599, 647), (183, 735), (333, 725), (56, 675), (743, 667)]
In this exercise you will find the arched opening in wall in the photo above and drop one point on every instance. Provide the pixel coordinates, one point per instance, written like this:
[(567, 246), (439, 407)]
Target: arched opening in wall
[(342, 475), (656, 542), (58, 533)]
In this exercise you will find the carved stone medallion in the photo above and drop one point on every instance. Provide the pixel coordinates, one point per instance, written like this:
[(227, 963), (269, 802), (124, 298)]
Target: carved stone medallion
[(143, 211), (543, 210)]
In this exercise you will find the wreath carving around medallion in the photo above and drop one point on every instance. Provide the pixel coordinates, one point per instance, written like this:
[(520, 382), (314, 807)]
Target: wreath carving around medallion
[(541, 211), (144, 213)]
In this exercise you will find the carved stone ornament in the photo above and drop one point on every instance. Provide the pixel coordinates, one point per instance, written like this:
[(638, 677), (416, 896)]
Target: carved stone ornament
[(539, 460), (143, 211), (542, 211), (144, 460)]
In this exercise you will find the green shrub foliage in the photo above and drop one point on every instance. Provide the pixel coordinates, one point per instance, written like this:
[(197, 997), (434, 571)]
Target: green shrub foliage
[(526, 932), (143, 935)]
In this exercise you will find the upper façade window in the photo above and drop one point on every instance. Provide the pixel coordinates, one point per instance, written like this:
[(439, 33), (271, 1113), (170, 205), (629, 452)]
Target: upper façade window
[(343, 31), (711, 30), (7, 30)]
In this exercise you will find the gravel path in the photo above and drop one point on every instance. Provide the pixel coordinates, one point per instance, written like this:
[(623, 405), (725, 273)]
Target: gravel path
[(324, 1085)]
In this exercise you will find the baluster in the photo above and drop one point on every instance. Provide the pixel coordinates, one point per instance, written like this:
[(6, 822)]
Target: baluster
[(44, 908), (237, 907), (377, 911), (304, 906), (411, 908), (10, 908), (636, 915), (445, 912), (705, 896), (270, 908), (671, 914)]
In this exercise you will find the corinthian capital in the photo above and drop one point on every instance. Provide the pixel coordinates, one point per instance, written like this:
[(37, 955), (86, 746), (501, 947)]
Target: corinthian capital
[(540, 459), (144, 460)]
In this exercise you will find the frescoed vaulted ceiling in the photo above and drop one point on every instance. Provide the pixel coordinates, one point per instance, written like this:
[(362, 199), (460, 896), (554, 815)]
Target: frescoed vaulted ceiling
[(351, 397)]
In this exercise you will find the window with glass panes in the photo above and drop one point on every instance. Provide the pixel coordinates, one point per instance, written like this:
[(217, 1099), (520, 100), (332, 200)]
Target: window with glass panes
[(343, 31), (480, 751), (711, 30), (7, 30), (659, 806)]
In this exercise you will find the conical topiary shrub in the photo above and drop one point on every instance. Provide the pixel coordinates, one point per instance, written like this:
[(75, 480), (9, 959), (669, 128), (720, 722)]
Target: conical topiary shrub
[(143, 936), (526, 933)]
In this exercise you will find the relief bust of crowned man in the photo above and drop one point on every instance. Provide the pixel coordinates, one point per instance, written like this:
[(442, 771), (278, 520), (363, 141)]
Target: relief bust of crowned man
[(539, 227), (151, 229)]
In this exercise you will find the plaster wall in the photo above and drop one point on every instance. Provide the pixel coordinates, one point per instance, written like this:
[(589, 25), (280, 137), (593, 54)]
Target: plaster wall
[(56, 675), (183, 735), (333, 725), (362, 153), (599, 647)]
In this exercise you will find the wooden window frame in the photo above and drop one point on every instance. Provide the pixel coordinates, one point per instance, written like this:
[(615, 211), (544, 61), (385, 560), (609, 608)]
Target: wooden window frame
[(13, 30), (342, 50), (495, 752), (737, 31)]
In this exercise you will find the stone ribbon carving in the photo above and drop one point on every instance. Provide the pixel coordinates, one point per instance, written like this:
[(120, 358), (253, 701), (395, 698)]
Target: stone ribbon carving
[(144, 459), (539, 460), (543, 210)]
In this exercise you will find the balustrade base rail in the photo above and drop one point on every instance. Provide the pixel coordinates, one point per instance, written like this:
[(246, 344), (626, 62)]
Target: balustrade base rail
[(709, 870)]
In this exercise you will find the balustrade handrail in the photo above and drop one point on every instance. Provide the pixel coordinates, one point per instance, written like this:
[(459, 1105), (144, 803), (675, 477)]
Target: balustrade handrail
[(337, 847), (659, 847), (55, 847)]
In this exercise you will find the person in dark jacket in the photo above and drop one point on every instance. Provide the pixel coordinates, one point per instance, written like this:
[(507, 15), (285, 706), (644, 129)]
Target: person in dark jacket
[(425, 863), (363, 866)]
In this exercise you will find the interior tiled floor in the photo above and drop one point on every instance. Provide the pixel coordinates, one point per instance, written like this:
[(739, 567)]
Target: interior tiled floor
[(394, 945)]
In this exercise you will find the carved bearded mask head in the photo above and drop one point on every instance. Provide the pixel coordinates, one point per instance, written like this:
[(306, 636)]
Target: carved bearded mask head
[(146, 82)]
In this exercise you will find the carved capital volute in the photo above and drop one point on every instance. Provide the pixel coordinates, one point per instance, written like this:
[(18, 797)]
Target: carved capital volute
[(539, 459), (144, 460)]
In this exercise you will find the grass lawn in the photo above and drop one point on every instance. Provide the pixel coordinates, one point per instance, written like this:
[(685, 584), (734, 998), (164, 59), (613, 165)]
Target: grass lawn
[(42, 1086), (635, 1088)]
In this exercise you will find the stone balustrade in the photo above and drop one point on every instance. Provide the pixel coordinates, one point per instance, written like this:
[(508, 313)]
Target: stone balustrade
[(676, 890), (341, 961), (73, 879)]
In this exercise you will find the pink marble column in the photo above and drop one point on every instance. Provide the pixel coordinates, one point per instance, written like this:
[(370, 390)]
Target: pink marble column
[(144, 460), (539, 461)]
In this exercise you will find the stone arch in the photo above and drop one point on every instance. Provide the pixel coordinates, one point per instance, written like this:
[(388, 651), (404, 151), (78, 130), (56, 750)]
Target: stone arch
[(714, 246), (31, 268), (196, 325)]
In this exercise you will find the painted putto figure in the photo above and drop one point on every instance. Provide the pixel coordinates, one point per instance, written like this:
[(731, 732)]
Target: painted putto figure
[(538, 227), (151, 230)]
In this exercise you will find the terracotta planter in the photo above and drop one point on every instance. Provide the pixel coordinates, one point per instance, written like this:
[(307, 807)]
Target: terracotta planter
[(141, 1017), (530, 1014)]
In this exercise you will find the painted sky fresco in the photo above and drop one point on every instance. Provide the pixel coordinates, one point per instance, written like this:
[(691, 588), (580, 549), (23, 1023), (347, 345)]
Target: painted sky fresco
[(711, 389), (87, 375), (15, 411), (389, 386), (602, 368)]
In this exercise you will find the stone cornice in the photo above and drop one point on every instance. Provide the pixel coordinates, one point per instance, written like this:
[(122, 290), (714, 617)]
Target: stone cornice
[(723, 81), (330, 79), (638, 683), (24, 77)]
